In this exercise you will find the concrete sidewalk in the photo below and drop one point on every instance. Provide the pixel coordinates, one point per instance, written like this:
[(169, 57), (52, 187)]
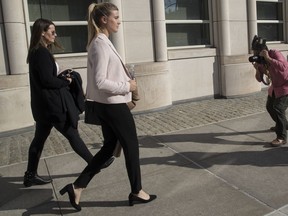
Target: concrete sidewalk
[(212, 158)]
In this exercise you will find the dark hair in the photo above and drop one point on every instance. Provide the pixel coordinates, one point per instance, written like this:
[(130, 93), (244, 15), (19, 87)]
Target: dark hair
[(259, 44), (95, 13), (36, 40)]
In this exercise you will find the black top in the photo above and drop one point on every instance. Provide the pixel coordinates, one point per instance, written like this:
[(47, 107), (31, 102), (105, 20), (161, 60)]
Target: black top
[(46, 100)]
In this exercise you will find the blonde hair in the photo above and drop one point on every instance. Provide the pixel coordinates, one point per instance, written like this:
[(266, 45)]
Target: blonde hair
[(95, 13)]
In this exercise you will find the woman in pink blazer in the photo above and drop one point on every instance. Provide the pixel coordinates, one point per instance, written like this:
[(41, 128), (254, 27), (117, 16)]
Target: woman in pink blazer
[(110, 87)]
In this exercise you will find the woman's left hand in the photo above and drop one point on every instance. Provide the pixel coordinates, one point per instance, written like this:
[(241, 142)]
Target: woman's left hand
[(133, 85), (69, 79)]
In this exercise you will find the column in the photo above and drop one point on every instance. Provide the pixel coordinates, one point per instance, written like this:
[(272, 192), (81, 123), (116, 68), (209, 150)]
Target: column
[(252, 20), (118, 38), (159, 30), (223, 8), (14, 24)]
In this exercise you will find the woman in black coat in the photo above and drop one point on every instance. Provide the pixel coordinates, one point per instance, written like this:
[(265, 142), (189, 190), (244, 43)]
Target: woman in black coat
[(48, 96)]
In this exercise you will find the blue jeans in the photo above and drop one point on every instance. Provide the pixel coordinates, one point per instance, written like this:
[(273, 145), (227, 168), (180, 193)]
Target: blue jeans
[(276, 107)]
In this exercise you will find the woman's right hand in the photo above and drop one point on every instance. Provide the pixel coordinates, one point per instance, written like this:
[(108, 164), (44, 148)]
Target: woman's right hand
[(133, 85)]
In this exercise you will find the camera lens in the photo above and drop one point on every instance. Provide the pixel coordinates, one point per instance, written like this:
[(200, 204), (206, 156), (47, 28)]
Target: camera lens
[(253, 58)]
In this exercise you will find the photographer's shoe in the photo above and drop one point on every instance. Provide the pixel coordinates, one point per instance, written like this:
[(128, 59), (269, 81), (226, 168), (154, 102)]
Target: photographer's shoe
[(272, 128), (278, 142)]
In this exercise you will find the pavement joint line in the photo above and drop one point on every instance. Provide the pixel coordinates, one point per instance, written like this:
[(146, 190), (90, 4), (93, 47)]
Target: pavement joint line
[(53, 187), (216, 176), (57, 199), (276, 213), (283, 207)]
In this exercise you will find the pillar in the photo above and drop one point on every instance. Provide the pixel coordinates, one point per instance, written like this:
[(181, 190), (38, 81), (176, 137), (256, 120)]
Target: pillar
[(14, 24), (224, 23), (159, 30), (118, 38), (252, 20)]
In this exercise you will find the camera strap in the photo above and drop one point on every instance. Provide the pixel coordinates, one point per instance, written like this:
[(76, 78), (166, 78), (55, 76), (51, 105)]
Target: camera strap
[(268, 80)]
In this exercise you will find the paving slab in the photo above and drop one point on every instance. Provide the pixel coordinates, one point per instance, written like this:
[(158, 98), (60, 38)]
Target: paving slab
[(186, 190), (15, 199), (240, 157)]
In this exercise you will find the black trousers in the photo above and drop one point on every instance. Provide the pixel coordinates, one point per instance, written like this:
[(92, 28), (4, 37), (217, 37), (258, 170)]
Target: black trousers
[(42, 132), (117, 123), (276, 107)]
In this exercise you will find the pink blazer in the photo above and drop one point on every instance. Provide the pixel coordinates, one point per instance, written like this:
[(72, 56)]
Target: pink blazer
[(279, 74), (107, 81)]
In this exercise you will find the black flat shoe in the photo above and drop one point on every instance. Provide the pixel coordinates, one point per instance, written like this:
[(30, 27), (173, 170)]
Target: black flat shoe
[(32, 178), (135, 199), (70, 190)]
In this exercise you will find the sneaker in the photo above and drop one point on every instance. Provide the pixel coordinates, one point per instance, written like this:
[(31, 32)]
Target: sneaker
[(278, 142)]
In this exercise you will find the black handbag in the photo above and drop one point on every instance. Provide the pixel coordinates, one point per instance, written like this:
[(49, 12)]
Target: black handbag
[(90, 113), (92, 118)]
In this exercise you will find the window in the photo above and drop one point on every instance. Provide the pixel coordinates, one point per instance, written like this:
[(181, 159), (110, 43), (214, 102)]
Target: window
[(187, 22), (69, 17), (270, 21)]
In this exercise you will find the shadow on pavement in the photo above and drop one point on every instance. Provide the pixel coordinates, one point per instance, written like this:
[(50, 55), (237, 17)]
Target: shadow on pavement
[(213, 138)]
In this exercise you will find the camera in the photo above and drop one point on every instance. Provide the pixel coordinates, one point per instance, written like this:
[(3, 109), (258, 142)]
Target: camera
[(256, 58), (258, 44)]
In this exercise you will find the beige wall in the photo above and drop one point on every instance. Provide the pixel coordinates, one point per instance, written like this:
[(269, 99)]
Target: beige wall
[(137, 31), (194, 74), (15, 109), (193, 78)]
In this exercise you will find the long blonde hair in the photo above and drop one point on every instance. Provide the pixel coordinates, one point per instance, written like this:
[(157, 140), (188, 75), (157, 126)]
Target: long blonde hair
[(95, 13)]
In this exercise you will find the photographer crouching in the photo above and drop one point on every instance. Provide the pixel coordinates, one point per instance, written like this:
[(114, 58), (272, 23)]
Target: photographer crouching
[(273, 65)]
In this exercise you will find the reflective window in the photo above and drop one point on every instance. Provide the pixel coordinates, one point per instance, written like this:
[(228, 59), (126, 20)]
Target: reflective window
[(270, 22), (187, 22), (187, 34), (69, 17)]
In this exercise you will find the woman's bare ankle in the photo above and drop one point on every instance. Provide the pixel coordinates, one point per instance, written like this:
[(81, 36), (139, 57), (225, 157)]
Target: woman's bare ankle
[(143, 195), (77, 192)]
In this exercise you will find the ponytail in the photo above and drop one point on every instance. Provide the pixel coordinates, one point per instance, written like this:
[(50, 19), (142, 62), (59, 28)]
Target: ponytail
[(93, 30), (95, 12)]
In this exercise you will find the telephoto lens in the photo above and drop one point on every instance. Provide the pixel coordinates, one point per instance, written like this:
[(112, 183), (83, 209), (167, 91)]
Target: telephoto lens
[(257, 58)]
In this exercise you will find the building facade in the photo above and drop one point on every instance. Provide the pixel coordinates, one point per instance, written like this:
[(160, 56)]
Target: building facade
[(182, 49)]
